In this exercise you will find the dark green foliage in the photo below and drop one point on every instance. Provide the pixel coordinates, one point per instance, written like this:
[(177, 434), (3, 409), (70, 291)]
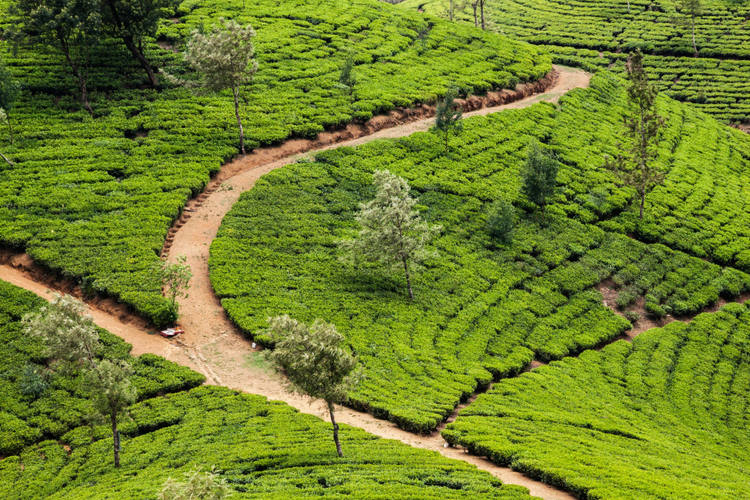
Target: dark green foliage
[(665, 416), (448, 116), (32, 382), (501, 222), (9, 91), (94, 199), (539, 175)]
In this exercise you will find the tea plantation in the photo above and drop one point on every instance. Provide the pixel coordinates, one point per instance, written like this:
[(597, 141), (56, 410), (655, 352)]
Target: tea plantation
[(484, 311), (597, 34), (262, 449), (93, 198), (664, 417)]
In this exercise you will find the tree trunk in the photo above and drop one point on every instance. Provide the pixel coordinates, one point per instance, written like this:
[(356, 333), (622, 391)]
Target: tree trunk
[(450, 14), (7, 160), (481, 8), (236, 92), (408, 278), (335, 430), (474, 6), (695, 48), (628, 6), (78, 74), (138, 54), (643, 202), (115, 438)]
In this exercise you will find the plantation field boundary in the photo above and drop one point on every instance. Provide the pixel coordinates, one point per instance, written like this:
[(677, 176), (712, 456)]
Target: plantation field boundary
[(212, 345)]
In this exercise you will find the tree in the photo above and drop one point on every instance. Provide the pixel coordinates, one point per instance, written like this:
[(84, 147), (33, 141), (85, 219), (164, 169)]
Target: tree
[(691, 9), (224, 60), (132, 21), (392, 231), (448, 116), (112, 392), (72, 26), (314, 362), (197, 485), (71, 340), (539, 175), (347, 80), (175, 279), (634, 164), (9, 90), (67, 333), (501, 221)]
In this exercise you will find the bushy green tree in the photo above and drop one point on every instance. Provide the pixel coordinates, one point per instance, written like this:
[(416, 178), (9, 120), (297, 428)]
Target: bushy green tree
[(111, 394), (198, 485), (635, 163), (392, 231), (691, 9), (501, 221), (72, 26), (539, 175), (175, 279), (314, 362), (448, 116), (224, 59), (9, 91), (132, 21)]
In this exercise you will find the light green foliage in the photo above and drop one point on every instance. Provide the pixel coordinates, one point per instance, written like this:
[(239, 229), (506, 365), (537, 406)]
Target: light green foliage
[(197, 485), (448, 116), (501, 222), (175, 278), (67, 333), (635, 165), (539, 175), (95, 199), (392, 231), (485, 311), (599, 34), (664, 417)]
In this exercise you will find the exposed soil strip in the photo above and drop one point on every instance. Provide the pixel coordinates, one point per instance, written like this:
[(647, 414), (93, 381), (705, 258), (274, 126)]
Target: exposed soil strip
[(213, 346)]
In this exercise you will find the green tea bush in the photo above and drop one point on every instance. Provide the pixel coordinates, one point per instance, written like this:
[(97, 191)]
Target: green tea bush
[(481, 312), (599, 34), (260, 448), (665, 416), (93, 199), (35, 405)]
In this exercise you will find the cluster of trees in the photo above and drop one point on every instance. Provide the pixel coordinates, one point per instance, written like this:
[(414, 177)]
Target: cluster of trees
[(76, 28), (71, 345)]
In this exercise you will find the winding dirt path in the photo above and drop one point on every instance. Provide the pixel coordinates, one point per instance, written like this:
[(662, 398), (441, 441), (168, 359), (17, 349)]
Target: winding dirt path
[(213, 346)]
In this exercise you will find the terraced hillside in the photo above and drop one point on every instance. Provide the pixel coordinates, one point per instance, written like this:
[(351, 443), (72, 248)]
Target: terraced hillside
[(484, 311), (261, 449), (93, 198), (597, 34), (665, 416)]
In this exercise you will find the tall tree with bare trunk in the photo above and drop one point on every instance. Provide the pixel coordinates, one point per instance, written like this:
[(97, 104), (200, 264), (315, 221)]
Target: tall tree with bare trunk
[(134, 20), (635, 163), (314, 363), (72, 26), (224, 59)]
